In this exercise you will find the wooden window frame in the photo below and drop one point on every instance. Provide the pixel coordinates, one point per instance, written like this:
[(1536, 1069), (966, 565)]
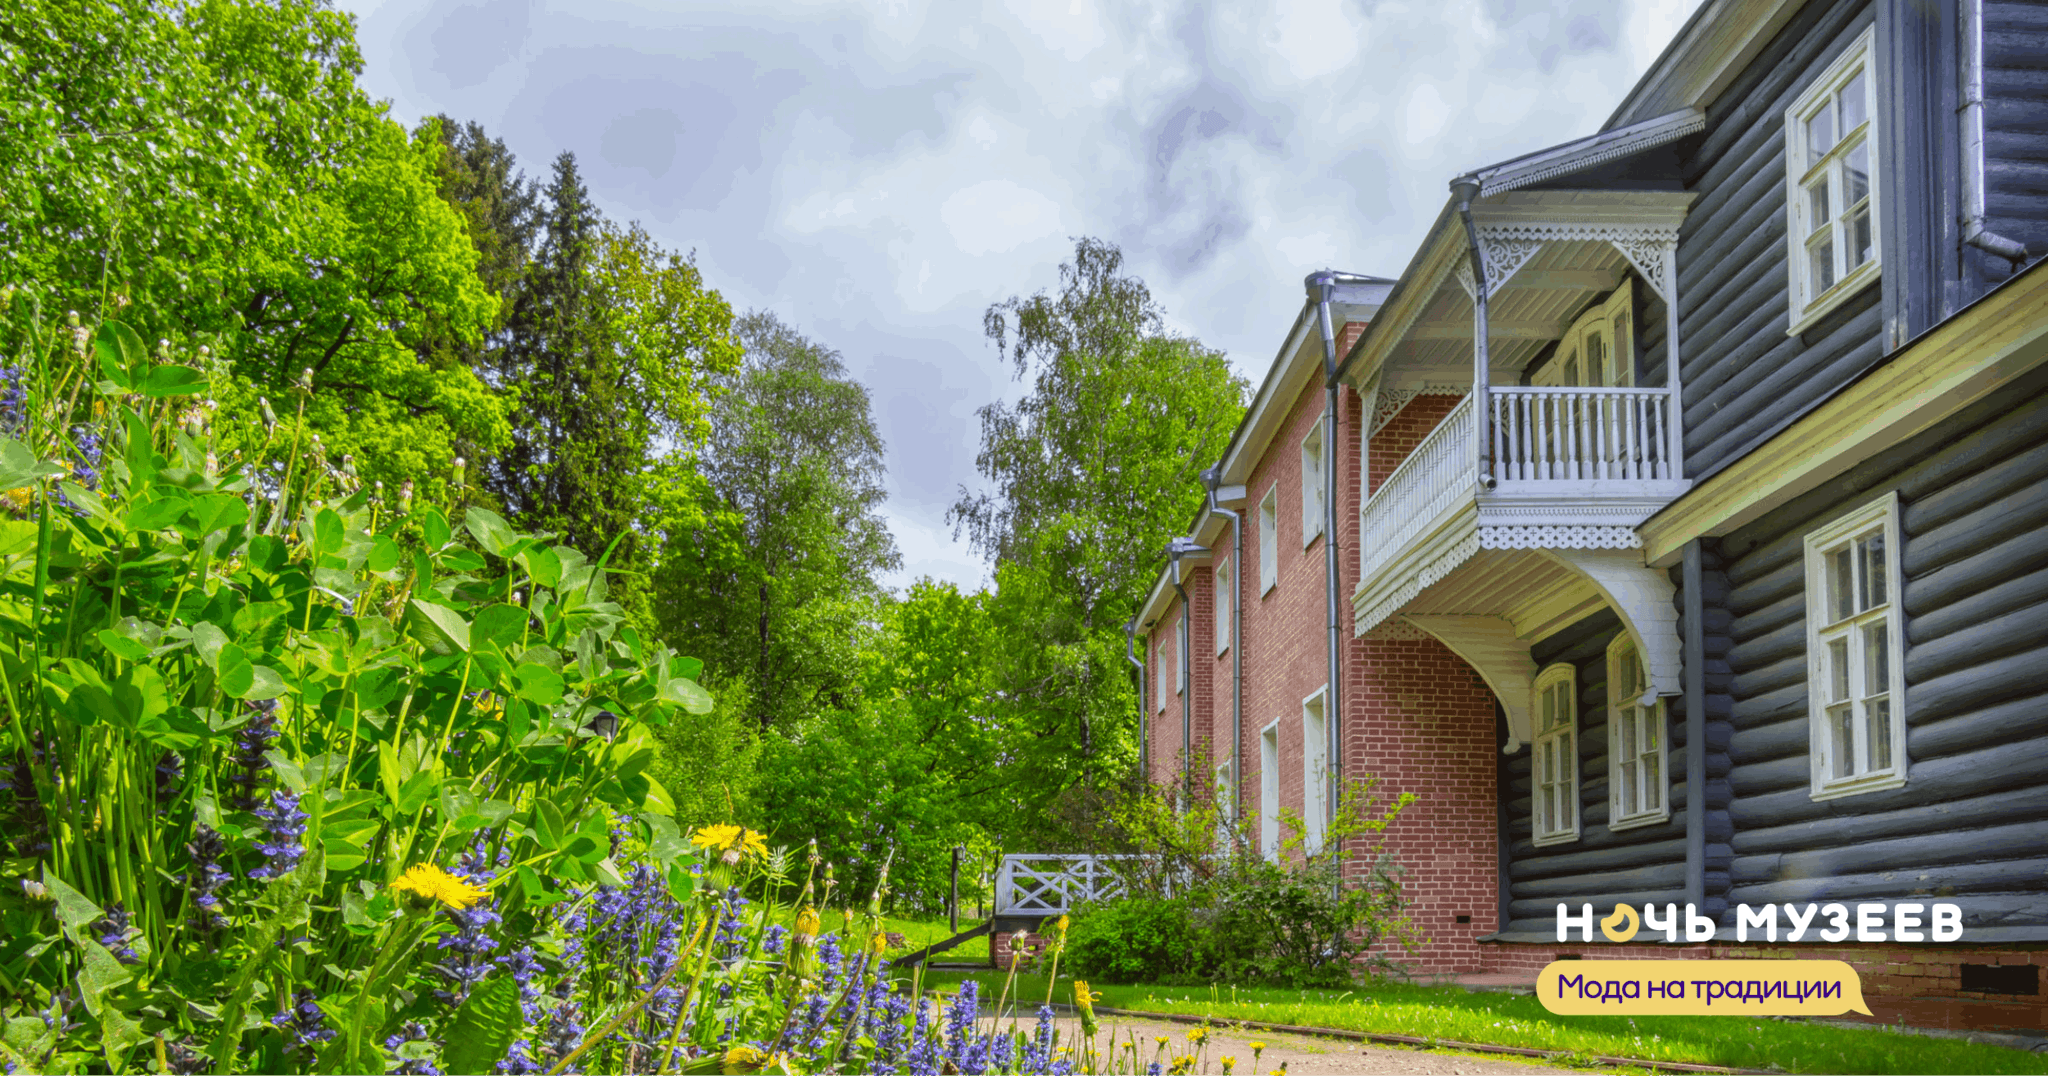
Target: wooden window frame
[(1803, 173), (1269, 540), (1568, 729), (1627, 721), (1315, 787), (1269, 790), (1878, 518), (1597, 322), (1225, 599), (1164, 677), (1312, 482)]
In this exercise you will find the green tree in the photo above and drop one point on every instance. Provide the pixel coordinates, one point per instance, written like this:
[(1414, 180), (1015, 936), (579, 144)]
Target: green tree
[(610, 353), (774, 568), (1092, 472)]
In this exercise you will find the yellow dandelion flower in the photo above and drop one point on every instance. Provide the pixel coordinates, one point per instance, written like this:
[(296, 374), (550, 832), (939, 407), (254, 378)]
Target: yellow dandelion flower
[(744, 1059), (1228, 1064), (1161, 1039), (808, 923), (736, 842), (1061, 924), (1257, 1047), (1199, 1035), (432, 883)]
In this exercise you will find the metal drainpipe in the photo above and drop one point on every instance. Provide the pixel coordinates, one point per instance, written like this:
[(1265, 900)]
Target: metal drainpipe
[(1212, 478), (1322, 288), (1971, 127), (1466, 188), (1131, 655)]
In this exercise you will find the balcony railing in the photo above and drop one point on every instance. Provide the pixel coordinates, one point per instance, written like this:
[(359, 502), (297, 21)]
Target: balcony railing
[(1443, 470), (1580, 434)]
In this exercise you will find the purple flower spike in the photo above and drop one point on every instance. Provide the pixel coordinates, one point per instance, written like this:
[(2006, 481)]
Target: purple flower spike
[(284, 830)]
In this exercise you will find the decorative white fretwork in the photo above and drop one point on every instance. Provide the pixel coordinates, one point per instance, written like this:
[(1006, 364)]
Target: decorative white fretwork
[(1049, 885), (1507, 247), (1388, 402), (1643, 596), (1396, 630), (1563, 537), (1425, 576)]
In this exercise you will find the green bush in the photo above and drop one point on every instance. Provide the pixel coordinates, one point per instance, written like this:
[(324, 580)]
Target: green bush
[(1134, 940)]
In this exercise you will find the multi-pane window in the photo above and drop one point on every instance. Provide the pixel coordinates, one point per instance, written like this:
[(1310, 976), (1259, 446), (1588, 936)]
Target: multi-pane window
[(1315, 772), (1830, 143), (1854, 652), (1224, 597), (1269, 539), (1638, 782), (1269, 791), (1165, 675), (1312, 484), (1555, 756)]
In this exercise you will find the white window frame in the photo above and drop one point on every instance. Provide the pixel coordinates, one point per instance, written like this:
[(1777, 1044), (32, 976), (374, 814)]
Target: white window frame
[(1631, 724), (1269, 539), (1313, 459), (1180, 655), (1547, 737), (1609, 326), (1226, 803), (1315, 770), (1803, 173), (1165, 676), (1831, 668), (1269, 791), (1225, 598)]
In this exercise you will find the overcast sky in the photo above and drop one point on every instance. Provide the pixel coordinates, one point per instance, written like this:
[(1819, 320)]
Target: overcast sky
[(879, 173)]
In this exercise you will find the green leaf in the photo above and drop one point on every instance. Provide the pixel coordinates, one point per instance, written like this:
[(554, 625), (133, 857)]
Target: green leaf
[(553, 830), (501, 623), (457, 801), (158, 514), (328, 533), (383, 556), (121, 353), (484, 1027), (434, 527), (539, 684), (100, 974), (122, 646), (19, 467), (208, 640), (416, 791), (438, 627), (542, 565), (264, 683), (687, 694), (237, 675), (490, 529), (173, 381), (217, 511), (73, 910)]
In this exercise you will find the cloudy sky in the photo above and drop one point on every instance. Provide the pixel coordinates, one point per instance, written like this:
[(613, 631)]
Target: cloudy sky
[(878, 173)]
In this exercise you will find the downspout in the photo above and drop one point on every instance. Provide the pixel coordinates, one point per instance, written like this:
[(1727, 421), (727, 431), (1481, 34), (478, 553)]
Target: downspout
[(1464, 189), (1211, 478), (1322, 289), (1971, 126), (1144, 741), (1693, 610)]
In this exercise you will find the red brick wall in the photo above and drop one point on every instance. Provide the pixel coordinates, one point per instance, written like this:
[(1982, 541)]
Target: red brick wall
[(1418, 718), (1398, 438)]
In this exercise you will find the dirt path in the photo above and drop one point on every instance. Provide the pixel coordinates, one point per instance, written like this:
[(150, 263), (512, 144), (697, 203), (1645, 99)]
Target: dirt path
[(1304, 1055)]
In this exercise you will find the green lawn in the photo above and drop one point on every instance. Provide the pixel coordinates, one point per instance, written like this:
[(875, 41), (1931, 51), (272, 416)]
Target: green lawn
[(918, 933), (1511, 1020)]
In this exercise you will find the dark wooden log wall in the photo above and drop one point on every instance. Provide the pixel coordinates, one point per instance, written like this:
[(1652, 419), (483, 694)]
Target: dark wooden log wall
[(1603, 867), (1743, 376), (1971, 823), (2015, 127)]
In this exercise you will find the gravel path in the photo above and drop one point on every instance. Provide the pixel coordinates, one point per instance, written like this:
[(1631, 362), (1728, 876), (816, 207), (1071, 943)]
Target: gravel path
[(1304, 1055)]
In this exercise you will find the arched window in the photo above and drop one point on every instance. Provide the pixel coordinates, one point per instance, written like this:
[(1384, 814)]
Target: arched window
[(1555, 757), (1638, 781)]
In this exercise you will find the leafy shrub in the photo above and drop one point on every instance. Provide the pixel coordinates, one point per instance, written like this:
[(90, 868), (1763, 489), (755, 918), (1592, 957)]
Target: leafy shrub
[(1205, 906), (1134, 940)]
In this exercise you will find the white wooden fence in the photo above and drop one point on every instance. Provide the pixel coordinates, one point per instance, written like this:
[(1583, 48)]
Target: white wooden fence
[(1442, 470), (1054, 884)]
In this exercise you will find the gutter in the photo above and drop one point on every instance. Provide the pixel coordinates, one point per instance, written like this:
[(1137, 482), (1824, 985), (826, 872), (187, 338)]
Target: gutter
[(1210, 478), (1971, 124), (1322, 290), (1464, 189)]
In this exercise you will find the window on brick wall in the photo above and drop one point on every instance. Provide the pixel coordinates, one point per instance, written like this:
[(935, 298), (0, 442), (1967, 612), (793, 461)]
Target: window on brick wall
[(1312, 457), (1554, 757), (1269, 791), (1180, 656), (1226, 803), (1638, 781), (1224, 597), (1269, 539), (1159, 662), (1855, 652), (1315, 771)]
